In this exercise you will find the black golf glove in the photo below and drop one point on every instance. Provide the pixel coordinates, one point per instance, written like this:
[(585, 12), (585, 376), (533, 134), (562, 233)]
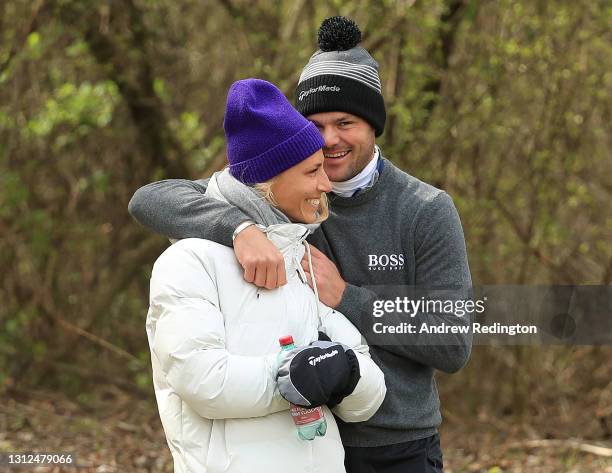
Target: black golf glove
[(320, 373)]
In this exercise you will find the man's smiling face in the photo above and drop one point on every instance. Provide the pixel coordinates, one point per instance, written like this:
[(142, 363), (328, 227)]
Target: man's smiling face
[(349, 143)]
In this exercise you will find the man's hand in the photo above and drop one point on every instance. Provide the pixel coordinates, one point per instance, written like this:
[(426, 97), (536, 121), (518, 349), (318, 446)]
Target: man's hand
[(330, 284), (263, 263)]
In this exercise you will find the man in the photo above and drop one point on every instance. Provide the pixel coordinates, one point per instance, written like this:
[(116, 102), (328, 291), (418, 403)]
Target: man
[(386, 228)]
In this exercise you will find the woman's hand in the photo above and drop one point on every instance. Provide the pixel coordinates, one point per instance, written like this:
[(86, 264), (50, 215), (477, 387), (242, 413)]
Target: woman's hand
[(317, 374), (262, 262)]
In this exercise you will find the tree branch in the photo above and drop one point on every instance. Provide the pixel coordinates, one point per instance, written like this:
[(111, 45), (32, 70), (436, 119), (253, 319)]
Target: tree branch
[(568, 444), (32, 26), (537, 252), (447, 32)]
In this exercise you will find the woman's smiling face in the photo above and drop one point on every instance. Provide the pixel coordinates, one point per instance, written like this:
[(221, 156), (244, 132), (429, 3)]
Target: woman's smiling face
[(298, 190)]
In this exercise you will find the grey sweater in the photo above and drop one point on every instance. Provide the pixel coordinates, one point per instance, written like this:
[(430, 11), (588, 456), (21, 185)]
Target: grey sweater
[(364, 236)]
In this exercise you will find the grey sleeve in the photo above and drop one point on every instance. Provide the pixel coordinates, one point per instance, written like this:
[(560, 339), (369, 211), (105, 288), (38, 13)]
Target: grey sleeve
[(178, 208), (441, 261)]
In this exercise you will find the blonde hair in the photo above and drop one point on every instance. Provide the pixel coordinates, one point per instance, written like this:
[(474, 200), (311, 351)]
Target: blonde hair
[(265, 189)]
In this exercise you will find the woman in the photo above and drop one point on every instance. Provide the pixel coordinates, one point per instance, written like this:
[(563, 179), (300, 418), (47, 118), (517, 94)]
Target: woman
[(214, 337)]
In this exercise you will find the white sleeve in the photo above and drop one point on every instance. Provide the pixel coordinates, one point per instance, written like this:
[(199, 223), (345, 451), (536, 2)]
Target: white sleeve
[(370, 391), (187, 336)]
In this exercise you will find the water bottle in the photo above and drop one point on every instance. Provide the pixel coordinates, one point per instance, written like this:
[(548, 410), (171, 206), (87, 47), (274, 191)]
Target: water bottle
[(309, 422)]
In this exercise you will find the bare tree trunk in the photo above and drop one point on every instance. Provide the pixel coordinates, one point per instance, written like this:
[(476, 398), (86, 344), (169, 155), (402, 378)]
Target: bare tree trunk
[(133, 76)]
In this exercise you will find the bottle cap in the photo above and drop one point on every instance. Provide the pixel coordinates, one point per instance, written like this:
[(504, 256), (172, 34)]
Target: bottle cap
[(286, 340)]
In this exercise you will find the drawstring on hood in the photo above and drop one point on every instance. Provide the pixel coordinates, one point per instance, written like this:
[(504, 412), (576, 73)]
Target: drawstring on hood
[(312, 274)]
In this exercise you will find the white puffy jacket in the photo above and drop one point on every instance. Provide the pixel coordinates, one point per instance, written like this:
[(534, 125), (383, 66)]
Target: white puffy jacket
[(214, 344)]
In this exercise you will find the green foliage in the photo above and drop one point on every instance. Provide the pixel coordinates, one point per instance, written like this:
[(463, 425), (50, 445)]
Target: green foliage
[(77, 49), (14, 193), (34, 45), (189, 129), (202, 157), (81, 108), (159, 85)]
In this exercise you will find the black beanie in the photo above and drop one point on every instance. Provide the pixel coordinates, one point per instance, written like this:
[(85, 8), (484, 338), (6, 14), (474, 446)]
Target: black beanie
[(341, 76)]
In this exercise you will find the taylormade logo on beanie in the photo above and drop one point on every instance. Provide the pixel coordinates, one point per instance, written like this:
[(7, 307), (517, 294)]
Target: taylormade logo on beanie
[(341, 76), (321, 88)]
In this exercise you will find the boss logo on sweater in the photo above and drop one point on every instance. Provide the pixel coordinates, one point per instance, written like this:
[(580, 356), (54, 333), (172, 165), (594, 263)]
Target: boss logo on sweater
[(313, 360), (384, 262)]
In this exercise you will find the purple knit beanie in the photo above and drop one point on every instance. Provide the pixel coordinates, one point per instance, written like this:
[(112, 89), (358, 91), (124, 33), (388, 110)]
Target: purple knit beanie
[(265, 135)]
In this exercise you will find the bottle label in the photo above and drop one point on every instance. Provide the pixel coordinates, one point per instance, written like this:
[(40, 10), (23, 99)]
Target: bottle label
[(303, 415)]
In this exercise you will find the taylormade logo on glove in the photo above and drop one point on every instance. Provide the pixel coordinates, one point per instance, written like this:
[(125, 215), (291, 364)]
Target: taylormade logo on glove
[(314, 360), (322, 373)]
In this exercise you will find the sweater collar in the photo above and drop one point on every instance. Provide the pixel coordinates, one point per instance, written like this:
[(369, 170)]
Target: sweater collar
[(362, 196)]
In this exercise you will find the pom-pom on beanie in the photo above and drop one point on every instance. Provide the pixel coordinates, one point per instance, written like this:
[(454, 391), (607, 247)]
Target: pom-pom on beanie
[(265, 135), (341, 76)]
